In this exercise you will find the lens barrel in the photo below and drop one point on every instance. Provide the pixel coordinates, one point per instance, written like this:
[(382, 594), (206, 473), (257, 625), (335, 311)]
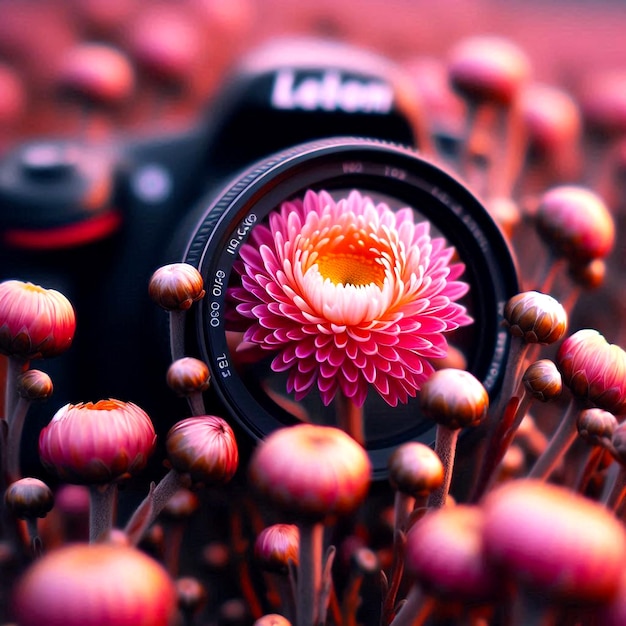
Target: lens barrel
[(250, 389)]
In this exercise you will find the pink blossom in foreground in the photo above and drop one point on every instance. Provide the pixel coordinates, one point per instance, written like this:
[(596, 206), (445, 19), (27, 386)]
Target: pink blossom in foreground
[(349, 294)]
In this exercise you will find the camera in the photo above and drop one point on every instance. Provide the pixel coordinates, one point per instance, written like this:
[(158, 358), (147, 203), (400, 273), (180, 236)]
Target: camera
[(299, 122)]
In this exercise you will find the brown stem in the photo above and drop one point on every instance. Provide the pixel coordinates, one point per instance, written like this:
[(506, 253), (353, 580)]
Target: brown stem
[(392, 585), (149, 509), (559, 444), (102, 500), (350, 418), (177, 334), (196, 404), (445, 447), (14, 438), (309, 572), (15, 367), (403, 504)]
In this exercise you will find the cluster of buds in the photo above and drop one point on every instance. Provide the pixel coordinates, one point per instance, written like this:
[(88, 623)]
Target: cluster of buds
[(523, 527)]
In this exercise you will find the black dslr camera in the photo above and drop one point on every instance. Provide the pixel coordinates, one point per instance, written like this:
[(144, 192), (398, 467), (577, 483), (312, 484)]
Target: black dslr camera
[(298, 120)]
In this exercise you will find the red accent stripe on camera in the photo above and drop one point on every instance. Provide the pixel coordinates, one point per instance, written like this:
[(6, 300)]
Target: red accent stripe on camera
[(72, 235)]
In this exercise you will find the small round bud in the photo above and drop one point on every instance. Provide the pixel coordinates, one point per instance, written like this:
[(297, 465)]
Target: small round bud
[(183, 504), (575, 223), (551, 117), (276, 546), (176, 287), (454, 398), (365, 561), (192, 595), (311, 470), (415, 469), (488, 69), (542, 380), (596, 425), (34, 385), (594, 370), (588, 275), (29, 498), (535, 317), (34, 322), (203, 447), (97, 73), (187, 376)]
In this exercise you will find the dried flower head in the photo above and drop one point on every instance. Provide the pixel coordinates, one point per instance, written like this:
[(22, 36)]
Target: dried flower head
[(350, 295), (311, 470), (29, 498), (535, 317), (34, 385), (276, 546), (97, 442), (188, 375), (542, 380), (34, 322), (95, 585), (203, 447), (415, 469), (575, 223), (594, 370), (454, 398), (488, 69), (553, 540), (176, 287)]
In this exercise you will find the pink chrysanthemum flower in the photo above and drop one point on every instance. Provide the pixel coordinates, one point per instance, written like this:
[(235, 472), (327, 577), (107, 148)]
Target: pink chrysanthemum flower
[(349, 294)]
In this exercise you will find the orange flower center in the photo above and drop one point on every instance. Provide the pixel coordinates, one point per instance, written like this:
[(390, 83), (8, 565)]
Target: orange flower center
[(346, 268)]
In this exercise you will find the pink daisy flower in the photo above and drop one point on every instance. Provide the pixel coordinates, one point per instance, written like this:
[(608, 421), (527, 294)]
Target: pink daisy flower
[(350, 295)]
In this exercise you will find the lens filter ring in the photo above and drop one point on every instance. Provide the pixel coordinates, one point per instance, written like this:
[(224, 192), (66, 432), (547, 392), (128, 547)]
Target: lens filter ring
[(267, 376)]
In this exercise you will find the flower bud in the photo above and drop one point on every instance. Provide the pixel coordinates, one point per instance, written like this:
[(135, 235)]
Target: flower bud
[(188, 375), (535, 317), (192, 595), (176, 287), (29, 498), (594, 370), (454, 398), (95, 585), (203, 447), (276, 546), (272, 619), (97, 443), (542, 380), (596, 426), (183, 504), (415, 469), (311, 470), (576, 224), (553, 541), (589, 275), (34, 322), (488, 69), (34, 385)]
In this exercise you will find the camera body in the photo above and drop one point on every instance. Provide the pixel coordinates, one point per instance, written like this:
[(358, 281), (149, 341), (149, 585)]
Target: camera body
[(95, 220)]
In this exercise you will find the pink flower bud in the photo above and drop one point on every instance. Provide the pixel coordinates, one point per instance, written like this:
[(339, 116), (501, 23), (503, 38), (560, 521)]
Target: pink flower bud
[(542, 380), (415, 469), (34, 385), (276, 546), (594, 370), (576, 224), (311, 470), (34, 322), (203, 447), (95, 585), (97, 443), (188, 375)]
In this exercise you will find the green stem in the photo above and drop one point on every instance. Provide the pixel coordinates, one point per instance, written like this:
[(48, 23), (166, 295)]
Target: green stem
[(102, 500), (445, 447), (309, 581)]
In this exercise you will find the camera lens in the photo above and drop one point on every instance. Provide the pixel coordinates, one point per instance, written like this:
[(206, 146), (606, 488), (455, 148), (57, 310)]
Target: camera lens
[(337, 275)]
